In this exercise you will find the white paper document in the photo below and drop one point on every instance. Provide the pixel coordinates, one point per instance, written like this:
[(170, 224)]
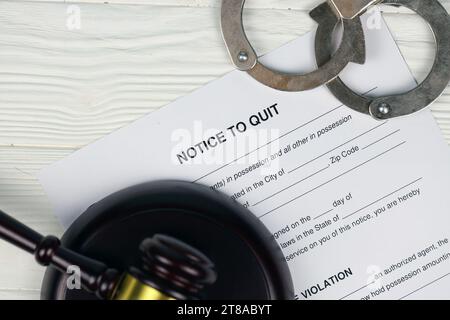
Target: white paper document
[(360, 208)]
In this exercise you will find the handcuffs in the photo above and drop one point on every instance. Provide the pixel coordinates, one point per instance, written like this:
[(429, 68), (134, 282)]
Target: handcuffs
[(352, 49)]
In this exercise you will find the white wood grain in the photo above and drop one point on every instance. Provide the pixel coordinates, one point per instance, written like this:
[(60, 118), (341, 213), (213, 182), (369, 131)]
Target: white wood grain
[(61, 89), (264, 4), (122, 70)]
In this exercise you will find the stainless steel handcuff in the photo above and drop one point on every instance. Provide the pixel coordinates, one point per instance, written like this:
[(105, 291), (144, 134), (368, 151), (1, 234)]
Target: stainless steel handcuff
[(352, 49)]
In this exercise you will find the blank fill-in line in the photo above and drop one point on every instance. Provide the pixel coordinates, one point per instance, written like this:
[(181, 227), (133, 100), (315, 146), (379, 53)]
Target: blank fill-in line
[(294, 184), (325, 213), (282, 136), (331, 180), (390, 194), (270, 142), (358, 136), (379, 140), (353, 292), (422, 287)]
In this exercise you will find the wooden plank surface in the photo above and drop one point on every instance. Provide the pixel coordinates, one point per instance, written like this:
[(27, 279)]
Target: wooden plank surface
[(63, 88), (261, 4)]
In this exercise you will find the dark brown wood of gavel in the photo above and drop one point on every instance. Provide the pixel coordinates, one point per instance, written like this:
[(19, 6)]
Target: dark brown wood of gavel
[(169, 267)]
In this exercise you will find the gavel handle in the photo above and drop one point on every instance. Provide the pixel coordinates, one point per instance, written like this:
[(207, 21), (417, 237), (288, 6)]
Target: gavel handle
[(95, 276), (18, 234)]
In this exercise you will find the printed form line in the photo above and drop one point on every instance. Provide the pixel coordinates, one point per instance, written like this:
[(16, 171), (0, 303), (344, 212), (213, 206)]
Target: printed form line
[(325, 213), (379, 140), (331, 180), (353, 292), (390, 194), (280, 137), (358, 136), (294, 184), (422, 287), (268, 143), (440, 278)]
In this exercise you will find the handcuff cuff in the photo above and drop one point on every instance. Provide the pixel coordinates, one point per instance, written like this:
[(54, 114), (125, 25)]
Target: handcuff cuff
[(244, 57), (352, 49)]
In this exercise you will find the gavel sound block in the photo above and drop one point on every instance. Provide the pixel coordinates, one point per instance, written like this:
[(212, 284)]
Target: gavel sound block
[(169, 269), (247, 260)]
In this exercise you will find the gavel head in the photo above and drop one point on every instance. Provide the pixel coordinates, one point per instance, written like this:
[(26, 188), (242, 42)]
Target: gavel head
[(169, 270)]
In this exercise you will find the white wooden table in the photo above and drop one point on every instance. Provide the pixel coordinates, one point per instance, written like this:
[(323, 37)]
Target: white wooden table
[(62, 87)]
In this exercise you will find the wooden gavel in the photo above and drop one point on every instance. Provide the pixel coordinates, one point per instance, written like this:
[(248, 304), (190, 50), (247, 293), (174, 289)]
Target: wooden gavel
[(170, 270)]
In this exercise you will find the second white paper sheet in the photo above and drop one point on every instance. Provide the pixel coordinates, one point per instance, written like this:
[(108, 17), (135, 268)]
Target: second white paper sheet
[(359, 207)]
